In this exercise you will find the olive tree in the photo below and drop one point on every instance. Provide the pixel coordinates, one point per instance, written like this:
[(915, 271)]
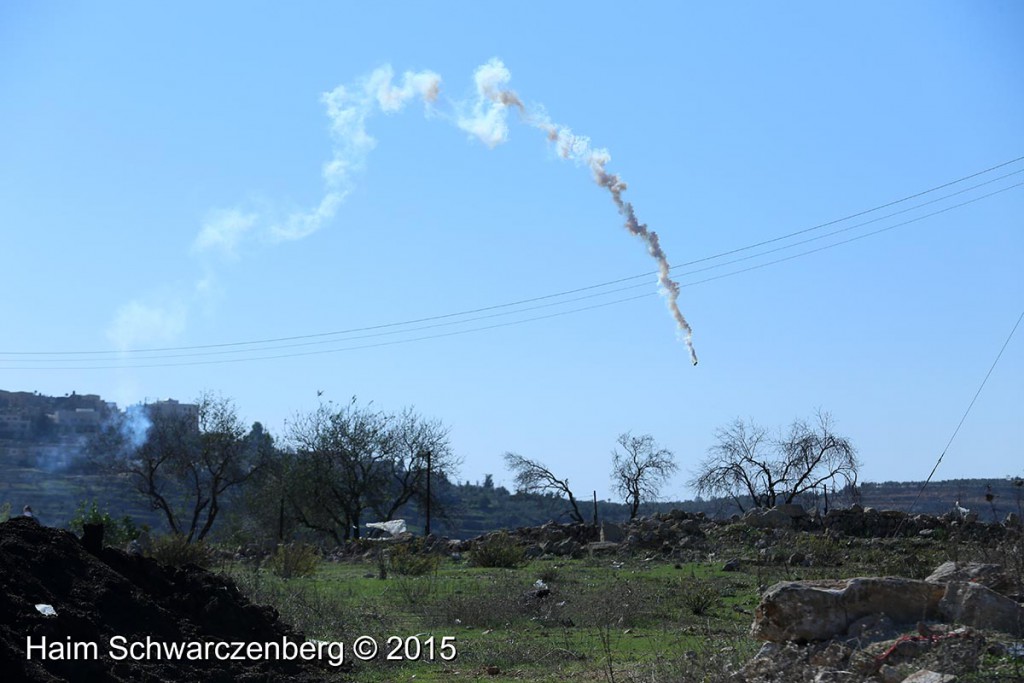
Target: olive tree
[(746, 463), (345, 461), (640, 469), (184, 461), (419, 448), (339, 467)]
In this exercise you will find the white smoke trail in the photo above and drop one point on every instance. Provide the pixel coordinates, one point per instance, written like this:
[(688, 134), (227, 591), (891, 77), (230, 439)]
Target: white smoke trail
[(224, 231), (348, 109), (488, 117), (670, 288), (489, 123)]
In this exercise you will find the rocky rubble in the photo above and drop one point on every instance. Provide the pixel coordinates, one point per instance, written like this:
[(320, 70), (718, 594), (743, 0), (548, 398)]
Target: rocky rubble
[(940, 657), (663, 532), (887, 630), (803, 611), (677, 531), (869, 522)]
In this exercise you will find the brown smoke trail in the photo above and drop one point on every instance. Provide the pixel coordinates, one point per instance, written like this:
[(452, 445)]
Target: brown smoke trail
[(570, 146), (670, 287)]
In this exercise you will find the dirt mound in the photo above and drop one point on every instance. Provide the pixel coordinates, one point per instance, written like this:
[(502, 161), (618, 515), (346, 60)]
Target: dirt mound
[(100, 597)]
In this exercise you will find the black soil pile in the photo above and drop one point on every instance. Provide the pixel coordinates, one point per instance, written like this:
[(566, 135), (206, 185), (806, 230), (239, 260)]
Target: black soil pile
[(98, 597)]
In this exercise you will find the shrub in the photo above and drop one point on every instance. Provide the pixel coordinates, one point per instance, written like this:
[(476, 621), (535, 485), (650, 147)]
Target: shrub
[(549, 574), (409, 560), (824, 551), (699, 595), (116, 532), (415, 591), (174, 549), (497, 550), (294, 559)]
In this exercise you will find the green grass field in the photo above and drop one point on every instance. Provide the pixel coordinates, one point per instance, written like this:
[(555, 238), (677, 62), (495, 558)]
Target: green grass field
[(608, 618), (602, 620)]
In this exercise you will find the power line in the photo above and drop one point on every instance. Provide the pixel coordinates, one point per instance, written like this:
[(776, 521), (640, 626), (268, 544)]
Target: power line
[(873, 220), (867, 211), (348, 348), (966, 413), (858, 237), (130, 363), (545, 297)]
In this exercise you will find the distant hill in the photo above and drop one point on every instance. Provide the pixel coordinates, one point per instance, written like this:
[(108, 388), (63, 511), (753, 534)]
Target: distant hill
[(54, 496), (42, 465), (940, 496), (474, 509)]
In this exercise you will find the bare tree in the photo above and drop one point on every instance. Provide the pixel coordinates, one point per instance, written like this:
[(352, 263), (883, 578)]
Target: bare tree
[(532, 476), (640, 469), (746, 463), (738, 465)]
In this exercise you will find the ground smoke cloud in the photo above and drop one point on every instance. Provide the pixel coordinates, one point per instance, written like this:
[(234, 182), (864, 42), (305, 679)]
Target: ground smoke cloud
[(135, 426)]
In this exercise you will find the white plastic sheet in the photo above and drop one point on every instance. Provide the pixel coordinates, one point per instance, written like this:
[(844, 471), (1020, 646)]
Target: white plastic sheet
[(393, 527)]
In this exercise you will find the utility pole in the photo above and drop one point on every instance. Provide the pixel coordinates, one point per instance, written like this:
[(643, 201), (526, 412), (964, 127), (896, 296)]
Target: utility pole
[(280, 521), (426, 531)]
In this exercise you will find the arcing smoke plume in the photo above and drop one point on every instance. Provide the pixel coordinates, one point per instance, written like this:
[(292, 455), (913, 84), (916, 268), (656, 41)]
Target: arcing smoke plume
[(489, 124), (348, 109), (225, 231)]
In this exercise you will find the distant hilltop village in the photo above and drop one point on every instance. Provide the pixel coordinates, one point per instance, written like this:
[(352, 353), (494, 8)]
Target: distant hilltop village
[(48, 431)]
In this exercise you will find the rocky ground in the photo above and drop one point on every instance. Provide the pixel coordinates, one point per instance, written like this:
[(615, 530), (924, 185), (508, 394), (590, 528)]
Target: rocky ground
[(948, 627)]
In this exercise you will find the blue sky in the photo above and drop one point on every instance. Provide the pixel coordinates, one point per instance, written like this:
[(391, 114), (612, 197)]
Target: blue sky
[(174, 177)]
